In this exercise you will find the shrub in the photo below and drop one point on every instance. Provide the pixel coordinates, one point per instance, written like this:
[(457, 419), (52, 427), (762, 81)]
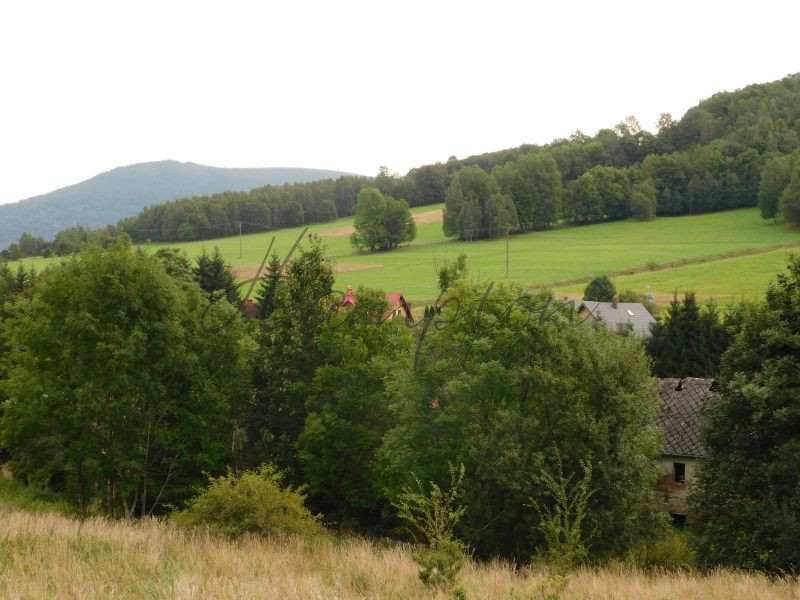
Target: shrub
[(440, 563), (644, 299), (29, 498), (562, 525), (670, 552), (452, 270), (255, 502), (432, 517)]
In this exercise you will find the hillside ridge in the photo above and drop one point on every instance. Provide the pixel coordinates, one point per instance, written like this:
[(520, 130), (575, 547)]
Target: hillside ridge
[(125, 190)]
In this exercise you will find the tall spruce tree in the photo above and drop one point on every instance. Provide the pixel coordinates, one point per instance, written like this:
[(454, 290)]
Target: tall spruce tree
[(689, 340), (288, 355), (214, 274)]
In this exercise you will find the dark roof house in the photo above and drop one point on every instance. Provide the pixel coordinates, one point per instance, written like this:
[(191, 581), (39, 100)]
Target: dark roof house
[(681, 420), (681, 415)]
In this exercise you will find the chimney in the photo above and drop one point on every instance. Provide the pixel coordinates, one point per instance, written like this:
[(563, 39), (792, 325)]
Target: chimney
[(615, 302)]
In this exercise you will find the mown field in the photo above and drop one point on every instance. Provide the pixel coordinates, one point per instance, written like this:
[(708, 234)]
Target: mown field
[(565, 256), (724, 280), (44, 554)]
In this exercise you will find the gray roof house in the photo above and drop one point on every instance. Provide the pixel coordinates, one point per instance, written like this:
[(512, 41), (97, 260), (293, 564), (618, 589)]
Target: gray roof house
[(618, 316), (681, 420)]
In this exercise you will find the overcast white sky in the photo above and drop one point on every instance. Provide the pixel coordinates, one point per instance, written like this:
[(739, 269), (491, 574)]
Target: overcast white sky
[(88, 86)]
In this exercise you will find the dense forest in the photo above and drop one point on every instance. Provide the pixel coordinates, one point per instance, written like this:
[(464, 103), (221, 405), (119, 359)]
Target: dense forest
[(711, 159)]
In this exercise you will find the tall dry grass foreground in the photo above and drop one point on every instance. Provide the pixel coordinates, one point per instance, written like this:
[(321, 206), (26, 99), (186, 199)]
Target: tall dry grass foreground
[(46, 555)]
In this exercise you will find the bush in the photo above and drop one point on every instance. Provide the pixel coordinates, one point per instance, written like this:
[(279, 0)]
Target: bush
[(31, 499), (562, 524), (432, 516), (631, 296), (440, 563), (670, 552), (255, 502)]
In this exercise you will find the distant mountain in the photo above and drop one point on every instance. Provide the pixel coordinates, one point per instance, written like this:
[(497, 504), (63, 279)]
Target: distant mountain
[(124, 191)]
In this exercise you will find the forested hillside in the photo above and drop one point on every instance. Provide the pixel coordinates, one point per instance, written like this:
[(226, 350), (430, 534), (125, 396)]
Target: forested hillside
[(710, 160), (124, 191)]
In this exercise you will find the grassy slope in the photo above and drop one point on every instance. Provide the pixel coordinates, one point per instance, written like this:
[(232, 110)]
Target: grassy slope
[(723, 280), (563, 254), (47, 555)]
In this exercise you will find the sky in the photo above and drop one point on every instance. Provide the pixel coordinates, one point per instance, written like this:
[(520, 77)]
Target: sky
[(89, 86)]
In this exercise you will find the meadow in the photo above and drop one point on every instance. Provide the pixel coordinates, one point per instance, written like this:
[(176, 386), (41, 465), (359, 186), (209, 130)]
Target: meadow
[(724, 280), (637, 254), (45, 554)]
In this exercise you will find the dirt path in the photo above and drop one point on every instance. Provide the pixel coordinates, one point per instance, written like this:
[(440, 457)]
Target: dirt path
[(423, 218), (245, 272)]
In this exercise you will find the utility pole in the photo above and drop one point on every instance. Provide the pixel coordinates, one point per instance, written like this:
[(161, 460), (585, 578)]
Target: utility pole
[(240, 239), (507, 230)]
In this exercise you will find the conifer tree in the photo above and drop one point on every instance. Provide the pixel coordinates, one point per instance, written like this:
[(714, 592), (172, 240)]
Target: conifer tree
[(690, 339), (214, 274)]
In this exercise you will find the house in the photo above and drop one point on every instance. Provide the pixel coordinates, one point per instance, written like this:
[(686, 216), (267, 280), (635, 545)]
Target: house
[(250, 309), (397, 304), (681, 420), (618, 316)]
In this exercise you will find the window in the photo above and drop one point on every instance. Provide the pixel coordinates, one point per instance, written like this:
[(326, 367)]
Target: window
[(678, 520), (679, 469)]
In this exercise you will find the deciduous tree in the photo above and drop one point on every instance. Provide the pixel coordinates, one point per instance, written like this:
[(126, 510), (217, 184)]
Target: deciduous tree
[(746, 498), (790, 197), (600, 289), (381, 222), (116, 393), (494, 390)]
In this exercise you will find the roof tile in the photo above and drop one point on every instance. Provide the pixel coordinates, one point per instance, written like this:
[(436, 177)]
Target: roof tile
[(681, 415)]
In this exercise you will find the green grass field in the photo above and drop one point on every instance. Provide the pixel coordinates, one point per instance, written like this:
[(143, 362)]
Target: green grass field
[(544, 258), (724, 280)]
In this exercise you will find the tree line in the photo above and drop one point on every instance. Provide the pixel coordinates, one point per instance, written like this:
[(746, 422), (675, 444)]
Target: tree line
[(733, 150)]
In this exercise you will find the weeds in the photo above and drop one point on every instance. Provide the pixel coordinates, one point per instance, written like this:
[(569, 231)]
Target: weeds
[(432, 517)]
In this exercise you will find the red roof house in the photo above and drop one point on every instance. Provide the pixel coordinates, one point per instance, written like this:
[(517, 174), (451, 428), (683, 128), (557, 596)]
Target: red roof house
[(397, 304)]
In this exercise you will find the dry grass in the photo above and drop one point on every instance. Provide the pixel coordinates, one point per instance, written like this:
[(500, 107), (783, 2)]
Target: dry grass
[(51, 556)]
